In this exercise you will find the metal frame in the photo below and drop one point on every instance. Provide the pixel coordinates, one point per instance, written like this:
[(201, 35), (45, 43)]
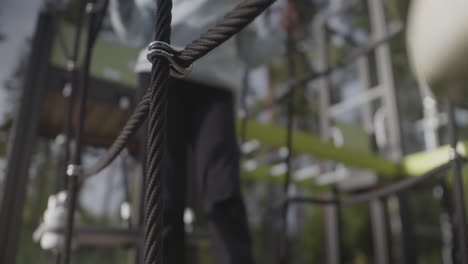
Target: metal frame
[(459, 199), (23, 139), (384, 91)]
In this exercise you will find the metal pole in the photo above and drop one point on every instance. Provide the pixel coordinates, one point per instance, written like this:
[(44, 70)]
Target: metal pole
[(332, 231), (385, 76), (323, 83), (365, 80), (331, 212), (377, 207), (398, 217), (442, 193), (23, 139), (409, 249), (459, 201), (379, 232)]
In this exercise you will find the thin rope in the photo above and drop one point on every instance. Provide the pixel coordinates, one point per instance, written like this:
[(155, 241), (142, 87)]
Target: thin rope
[(397, 187), (94, 26), (73, 71)]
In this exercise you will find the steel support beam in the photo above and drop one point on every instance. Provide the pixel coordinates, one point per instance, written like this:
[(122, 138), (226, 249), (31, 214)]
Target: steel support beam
[(385, 76), (407, 230), (23, 137), (379, 232), (332, 231)]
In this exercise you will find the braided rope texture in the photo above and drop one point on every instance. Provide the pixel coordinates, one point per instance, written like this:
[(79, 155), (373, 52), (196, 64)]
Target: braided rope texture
[(233, 22), (158, 91), (132, 125)]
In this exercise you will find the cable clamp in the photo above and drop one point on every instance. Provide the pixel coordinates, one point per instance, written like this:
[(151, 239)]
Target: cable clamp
[(74, 170), (162, 49)]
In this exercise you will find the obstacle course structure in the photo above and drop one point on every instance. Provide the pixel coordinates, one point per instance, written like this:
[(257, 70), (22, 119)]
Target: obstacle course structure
[(112, 83)]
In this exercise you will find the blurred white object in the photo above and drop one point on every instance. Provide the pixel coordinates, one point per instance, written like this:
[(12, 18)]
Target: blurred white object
[(250, 146), (438, 46), (125, 210), (189, 220), (50, 233)]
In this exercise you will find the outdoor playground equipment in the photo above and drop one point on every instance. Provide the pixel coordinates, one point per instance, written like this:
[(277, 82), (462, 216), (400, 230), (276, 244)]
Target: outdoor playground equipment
[(401, 172)]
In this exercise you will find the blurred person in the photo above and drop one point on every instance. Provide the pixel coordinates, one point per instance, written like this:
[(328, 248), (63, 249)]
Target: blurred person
[(200, 118)]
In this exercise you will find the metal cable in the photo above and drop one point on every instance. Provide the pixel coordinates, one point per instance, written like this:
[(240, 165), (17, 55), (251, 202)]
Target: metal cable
[(385, 191), (73, 75), (153, 213), (233, 22), (134, 122), (71, 183), (94, 25)]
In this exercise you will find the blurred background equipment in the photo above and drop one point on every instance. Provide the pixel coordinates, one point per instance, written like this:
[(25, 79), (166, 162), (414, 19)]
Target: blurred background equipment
[(370, 162)]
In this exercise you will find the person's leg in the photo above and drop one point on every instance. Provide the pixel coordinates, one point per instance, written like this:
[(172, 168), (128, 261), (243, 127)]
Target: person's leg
[(217, 166), (174, 176)]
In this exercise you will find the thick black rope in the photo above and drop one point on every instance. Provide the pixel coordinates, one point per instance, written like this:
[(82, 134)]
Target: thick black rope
[(233, 22), (94, 25), (153, 213), (71, 183)]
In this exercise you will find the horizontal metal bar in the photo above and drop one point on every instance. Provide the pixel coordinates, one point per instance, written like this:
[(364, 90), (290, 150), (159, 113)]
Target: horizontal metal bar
[(109, 236), (355, 101), (305, 142)]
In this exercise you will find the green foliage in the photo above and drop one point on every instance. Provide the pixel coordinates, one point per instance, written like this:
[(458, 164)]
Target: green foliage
[(311, 242)]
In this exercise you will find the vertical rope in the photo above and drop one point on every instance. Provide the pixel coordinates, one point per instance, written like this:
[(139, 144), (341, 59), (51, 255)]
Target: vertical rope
[(156, 126), (71, 184), (94, 26), (73, 75), (289, 140)]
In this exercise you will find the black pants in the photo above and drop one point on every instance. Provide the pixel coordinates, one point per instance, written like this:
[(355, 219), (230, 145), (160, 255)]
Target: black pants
[(200, 119)]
